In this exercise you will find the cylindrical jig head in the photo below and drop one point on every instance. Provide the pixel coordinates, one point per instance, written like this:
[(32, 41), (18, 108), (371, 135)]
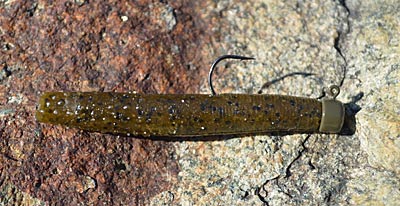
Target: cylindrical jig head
[(333, 112)]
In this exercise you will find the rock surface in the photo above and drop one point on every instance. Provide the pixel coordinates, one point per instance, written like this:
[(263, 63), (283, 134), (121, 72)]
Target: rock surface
[(164, 47), (89, 46), (353, 40)]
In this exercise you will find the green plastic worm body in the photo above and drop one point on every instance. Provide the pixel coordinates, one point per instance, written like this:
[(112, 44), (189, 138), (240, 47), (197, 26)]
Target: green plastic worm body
[(180, 114)]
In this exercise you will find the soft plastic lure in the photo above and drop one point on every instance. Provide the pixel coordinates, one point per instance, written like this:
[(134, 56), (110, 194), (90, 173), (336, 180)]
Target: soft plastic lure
[(191, 114)]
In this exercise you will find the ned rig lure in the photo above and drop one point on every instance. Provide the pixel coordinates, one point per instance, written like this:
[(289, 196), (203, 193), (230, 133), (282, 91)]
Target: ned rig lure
[(184, 115)]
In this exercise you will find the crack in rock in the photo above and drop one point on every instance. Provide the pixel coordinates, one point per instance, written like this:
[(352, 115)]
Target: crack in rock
[(339, 37)]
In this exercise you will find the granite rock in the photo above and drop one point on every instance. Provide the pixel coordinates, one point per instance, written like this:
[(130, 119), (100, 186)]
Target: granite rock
[(89, 46), (167, 47), (353, 44), (372, 50)]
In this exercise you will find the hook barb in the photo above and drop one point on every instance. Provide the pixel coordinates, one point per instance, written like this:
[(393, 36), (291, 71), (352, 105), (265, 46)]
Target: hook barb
[(214, 64)]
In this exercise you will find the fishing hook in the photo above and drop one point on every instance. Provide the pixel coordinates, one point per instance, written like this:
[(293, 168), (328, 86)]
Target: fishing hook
[(213, 93)]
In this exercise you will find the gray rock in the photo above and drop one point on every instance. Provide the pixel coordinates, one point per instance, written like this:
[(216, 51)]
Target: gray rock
[(351, 42)]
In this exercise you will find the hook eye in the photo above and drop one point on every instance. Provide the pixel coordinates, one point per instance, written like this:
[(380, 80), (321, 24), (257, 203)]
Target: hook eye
[(334, 91), (214, 64)]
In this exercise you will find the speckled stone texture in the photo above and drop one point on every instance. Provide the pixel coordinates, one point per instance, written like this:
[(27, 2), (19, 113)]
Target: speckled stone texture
[(166, 47), (150, 47), (354, 44)]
